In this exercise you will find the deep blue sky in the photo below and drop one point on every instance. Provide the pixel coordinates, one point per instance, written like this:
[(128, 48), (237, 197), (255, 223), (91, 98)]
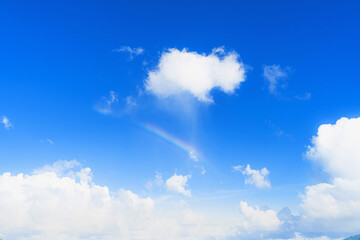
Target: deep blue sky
[(57, 61)]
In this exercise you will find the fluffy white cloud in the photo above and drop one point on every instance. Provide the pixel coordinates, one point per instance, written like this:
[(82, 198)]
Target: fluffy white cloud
[(58, 202), (336, 148), (335, 206), (177, 183), (45, 205), (332, 207), (6, 122), (273, 74), (259, 220), (259, 178), (197, 74)]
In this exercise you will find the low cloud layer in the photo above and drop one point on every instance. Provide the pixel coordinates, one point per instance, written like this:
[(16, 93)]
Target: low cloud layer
[(182, 71), (61, 201)]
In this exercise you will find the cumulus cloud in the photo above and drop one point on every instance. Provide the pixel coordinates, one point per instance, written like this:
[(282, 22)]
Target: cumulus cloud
[(182, 71), (273, 74), (51, 203), (258, 178), (132, 51), (45, 205), (335, 206), (259, 220), (6, 122), (336, 148), (177, 184)]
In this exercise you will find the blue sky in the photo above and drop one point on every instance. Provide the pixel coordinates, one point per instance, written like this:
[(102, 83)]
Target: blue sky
[(75, 85)]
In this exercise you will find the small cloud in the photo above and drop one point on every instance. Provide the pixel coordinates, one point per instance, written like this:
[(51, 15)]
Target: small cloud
[(7, 124), (156, 182), (177, 184), (274, 75), (237, 168), (304, 97), (258, 178), (104, 106), (47, 141), (130, 102), (132, 51), (193, 156)]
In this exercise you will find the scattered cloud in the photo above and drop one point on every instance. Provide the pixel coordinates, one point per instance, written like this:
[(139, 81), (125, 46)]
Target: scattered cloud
[(258, 178), (274, 75), (104, 106), (156, 182), (177, 184), (193, 156), (61, 201), (130, 102), (259, 220), (132, 51), (182, 71), (6, 122)]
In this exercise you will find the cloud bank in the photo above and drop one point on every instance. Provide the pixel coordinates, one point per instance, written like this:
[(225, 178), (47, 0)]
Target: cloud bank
[(61, 201), (182, 71)]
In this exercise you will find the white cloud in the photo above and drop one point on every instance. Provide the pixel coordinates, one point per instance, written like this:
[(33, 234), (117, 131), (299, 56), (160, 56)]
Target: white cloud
[(259, 220), (177, 184), (132, 51), (196, 74), (45, 205), (335, 206), (332, 207), (7, 124), (51, 203), (273, 74), (298, 236), (259, 178), (336, 148), (104, 106), (156, 182), (193, 156)]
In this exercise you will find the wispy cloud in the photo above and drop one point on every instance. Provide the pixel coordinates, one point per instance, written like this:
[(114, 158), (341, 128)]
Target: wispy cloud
[(274, 75), (6, 122), (47, 141), (104, 106), (303, 97), (132, 51)]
